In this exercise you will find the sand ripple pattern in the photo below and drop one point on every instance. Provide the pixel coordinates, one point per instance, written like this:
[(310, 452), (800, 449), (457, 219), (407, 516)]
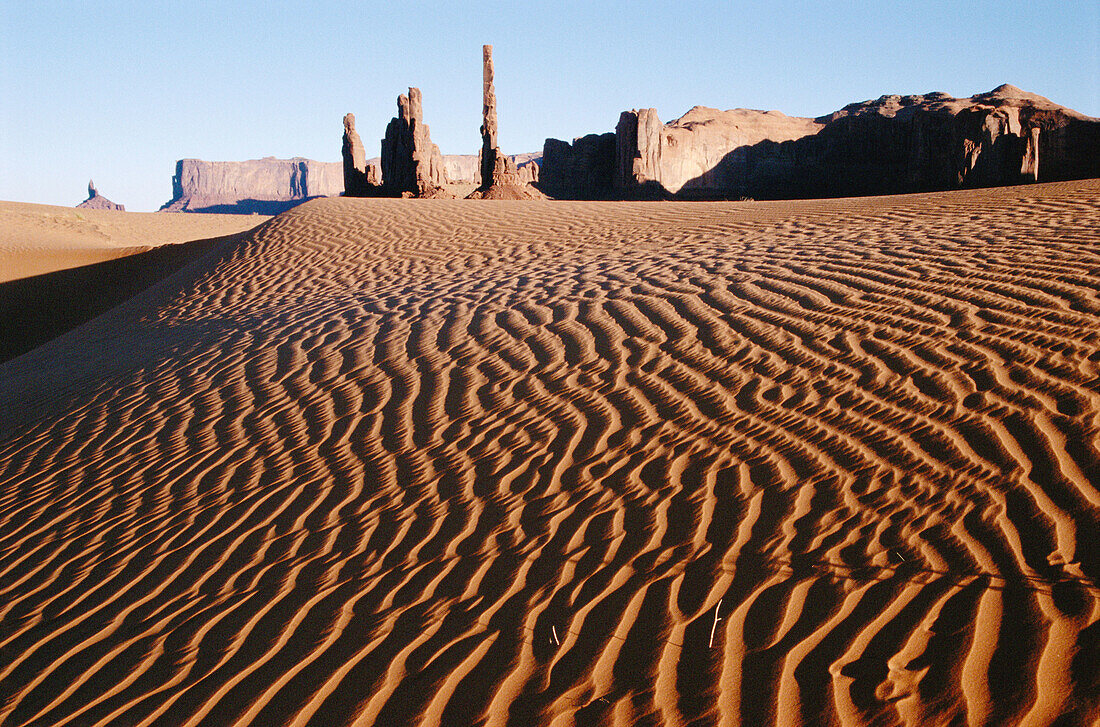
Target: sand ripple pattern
[(392, 462)]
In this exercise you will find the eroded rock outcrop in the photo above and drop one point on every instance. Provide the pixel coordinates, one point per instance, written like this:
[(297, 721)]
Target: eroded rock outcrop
[(694, 151), (527, 172), (264, 186), (361, 177), (466, 169), (411, 164), (491, 170), (638, 148), (97, 201), (584, 169), (931, 142), (891, 145), (500, 178)]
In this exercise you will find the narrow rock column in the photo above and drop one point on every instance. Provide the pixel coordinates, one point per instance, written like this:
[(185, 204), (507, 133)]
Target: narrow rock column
[(488, 118), (498, 176), (355, 160)]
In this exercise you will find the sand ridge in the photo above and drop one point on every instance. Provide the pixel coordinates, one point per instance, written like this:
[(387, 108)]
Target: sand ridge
[(39, 238), (442, 462)]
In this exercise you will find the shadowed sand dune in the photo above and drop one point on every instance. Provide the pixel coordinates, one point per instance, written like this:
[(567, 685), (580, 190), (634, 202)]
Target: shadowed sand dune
[(445, 463), (36, 239), (33, 310)]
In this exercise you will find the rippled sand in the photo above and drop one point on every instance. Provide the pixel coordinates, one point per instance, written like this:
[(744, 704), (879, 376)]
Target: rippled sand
[(444, 462)]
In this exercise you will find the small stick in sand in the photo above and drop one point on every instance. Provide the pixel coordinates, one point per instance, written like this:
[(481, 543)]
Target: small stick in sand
[(554, 631), (714, 625)]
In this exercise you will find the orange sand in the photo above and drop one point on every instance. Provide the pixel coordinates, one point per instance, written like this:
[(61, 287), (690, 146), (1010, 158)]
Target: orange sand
[(39, 238), (445, 463)]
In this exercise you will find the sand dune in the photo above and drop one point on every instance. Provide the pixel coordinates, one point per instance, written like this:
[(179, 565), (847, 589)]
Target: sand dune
[(445, 463), (39, 238)]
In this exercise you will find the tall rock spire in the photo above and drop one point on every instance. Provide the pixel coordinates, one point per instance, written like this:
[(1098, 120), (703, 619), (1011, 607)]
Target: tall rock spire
[(498, 178), (355, 160), (489, 149)]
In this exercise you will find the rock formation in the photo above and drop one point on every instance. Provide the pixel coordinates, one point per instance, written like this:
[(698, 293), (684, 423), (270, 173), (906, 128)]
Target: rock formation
[(489, 149), (892, 145), (265, 186), (499, 178), (466, 168), (357, 182), (528, 172), (940, 142), (693, 151), (411, 163), (269, 185), (97, 201), (638, 147), (581, 170)]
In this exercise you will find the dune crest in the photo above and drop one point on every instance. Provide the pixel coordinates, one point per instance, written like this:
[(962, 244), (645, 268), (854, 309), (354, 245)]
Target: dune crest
[(433, 462)]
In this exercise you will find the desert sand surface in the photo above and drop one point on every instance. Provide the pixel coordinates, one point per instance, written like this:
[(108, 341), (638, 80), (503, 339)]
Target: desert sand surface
[(39, 238), (396, 462)]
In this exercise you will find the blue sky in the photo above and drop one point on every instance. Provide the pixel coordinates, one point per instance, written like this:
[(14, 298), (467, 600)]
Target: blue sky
[(118, 91)]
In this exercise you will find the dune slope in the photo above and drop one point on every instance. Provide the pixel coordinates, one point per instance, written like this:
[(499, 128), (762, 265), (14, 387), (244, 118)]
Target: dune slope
[(440, 462), (36, 239)]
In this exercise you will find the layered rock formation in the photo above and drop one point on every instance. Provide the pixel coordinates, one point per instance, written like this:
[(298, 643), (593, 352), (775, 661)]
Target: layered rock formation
[(500, 178), (97, 201), (264, 186), (462, 168), (411, 163), (892, 145)]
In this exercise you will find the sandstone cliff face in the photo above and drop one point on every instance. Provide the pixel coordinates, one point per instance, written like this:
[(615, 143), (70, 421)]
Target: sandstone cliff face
[(266, 186), (936, 142), (527, 172), (462, 168), (891, 145), (698, 150)]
